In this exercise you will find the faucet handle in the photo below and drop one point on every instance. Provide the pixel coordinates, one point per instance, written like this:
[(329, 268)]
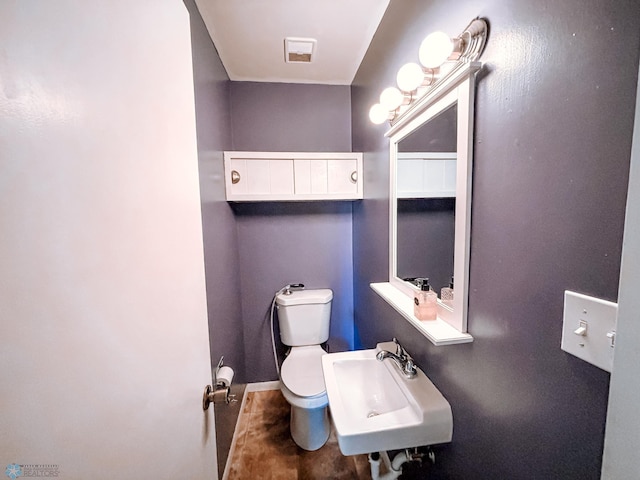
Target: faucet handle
[(400, 351), (410, 368)]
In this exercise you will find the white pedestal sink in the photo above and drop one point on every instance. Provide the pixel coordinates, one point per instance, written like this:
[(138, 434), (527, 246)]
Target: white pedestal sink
[(376, 408)]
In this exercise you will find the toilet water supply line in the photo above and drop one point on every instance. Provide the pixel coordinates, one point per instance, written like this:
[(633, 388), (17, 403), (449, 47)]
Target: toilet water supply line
[(287, 290)]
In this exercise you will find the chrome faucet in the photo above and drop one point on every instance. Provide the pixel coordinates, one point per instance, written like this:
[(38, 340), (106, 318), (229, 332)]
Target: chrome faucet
[(401, 358)]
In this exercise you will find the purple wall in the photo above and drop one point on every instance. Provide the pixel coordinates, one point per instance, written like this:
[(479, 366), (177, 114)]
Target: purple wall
[(425, 239), (211, 86), (280, 243), (284, 117), (554, 115)]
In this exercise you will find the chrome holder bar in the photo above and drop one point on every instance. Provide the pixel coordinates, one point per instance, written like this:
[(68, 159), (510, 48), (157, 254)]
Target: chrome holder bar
[(221, 394)]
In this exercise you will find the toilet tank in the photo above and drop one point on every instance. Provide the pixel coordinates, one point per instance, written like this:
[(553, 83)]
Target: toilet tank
[(304, 316)]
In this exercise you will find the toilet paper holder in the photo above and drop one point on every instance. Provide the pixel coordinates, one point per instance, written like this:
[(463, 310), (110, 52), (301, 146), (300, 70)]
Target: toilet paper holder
[(220, 392)]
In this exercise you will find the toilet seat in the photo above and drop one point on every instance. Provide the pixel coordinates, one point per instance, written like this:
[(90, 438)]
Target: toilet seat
[(301, 371)]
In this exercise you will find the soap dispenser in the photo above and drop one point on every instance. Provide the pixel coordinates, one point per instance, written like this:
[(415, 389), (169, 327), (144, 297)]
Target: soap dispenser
[(446, 294), (425, 302)]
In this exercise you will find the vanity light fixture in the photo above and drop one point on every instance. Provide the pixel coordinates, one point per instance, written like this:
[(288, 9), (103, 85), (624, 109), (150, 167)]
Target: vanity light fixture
[(410, 77), (379, 114), (439, 55), (391, 98), (437, 48)]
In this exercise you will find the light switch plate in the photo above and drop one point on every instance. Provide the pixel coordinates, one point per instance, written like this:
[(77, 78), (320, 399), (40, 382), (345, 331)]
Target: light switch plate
[(588, 329)]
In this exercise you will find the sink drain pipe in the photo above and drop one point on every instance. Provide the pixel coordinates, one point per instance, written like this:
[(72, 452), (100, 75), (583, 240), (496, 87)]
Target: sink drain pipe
[(394, 468)]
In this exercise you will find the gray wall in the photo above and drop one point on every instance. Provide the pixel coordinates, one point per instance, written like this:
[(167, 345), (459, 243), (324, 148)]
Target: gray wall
[(554, 113), (425, 238), (211, 86), (280, 243), (278, 117)]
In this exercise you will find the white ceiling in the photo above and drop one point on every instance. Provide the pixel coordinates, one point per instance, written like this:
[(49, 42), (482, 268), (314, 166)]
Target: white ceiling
[(249, 36)]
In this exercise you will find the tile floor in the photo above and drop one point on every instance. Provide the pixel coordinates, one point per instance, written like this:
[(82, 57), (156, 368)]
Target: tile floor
[(264, 448)]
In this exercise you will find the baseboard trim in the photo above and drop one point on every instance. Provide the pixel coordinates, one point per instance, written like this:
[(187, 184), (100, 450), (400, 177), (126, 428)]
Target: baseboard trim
[(263, 386)]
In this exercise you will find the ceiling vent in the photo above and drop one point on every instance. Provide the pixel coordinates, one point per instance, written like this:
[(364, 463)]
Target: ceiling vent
[(299, 50)]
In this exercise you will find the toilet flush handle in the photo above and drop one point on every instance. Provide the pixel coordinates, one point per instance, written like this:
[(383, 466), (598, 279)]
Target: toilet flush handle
[(293, 286)]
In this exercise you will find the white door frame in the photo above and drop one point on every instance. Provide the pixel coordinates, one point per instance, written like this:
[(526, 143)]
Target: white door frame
[(622, 436)]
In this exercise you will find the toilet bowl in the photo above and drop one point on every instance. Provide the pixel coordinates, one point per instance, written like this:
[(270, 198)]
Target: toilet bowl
[(304, 325), (302, 385)]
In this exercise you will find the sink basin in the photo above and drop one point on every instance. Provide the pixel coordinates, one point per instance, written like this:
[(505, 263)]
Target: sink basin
[(375, 408)]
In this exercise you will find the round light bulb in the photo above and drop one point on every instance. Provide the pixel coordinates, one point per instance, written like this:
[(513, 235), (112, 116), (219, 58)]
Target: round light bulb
[(435, 49), (410, 77), (391, 98), (378, 114)]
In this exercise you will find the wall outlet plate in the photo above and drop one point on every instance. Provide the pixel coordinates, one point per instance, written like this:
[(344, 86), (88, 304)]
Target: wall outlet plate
[(588, 329)]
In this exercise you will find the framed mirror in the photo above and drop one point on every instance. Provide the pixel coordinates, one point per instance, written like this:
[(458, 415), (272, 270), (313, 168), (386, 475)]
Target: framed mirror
[(431, 148), (425, 202)]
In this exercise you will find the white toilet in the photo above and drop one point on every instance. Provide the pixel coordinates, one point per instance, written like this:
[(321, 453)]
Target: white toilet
[(303, 317)]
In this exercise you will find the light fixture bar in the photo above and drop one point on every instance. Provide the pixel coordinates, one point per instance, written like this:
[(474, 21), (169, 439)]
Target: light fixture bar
[(439, 55)]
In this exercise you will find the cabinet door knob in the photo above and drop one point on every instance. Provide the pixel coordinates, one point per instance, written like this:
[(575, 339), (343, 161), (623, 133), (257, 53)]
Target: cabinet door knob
[(235, 177), (354, 176)]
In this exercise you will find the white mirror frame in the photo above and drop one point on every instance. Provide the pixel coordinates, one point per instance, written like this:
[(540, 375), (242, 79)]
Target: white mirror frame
[(458, 87)]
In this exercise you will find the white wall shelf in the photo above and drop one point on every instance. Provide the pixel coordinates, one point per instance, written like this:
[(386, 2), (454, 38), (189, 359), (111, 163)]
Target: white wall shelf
[(437, 331), (292, 176)]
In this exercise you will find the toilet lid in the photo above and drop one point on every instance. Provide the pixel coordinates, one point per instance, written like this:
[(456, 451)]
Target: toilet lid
[(301, 372)]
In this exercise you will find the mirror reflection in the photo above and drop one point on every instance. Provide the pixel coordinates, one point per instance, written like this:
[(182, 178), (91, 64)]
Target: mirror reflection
[(426, 190)]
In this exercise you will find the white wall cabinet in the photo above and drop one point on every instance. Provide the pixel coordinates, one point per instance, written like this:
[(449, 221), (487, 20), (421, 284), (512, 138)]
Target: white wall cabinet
[(292, 176), (426, 175)]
